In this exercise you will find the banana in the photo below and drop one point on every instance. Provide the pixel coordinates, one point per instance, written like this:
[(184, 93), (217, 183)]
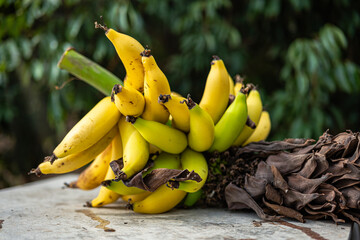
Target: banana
[(239, 83), (105, 195), (164, 160), (128, 100), (117, 148), (231, 86), (135, 197), (164, 198), (120, 188), (179, 112), (216, 93), (155, 83), (166, 138), (255, 107), (230, 124), (262, 129), (89, 130), (201, 133), (95, 173), (135, 150), (129, 50), (192, 198), (193, 161), (77, 160), (161, 200)]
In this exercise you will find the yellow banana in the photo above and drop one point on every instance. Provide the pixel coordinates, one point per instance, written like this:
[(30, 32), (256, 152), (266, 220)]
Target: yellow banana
[(166, 138), (201, 133), (129, 50), (135, 197), (255, 107), (216, 93), (117, 148), (136, 150), (95, 173), (180, 116), (173, 93), (155, 83), (230, 124), (128, 100), (262, 129), (105, 195), (231, 86), (193, 161), (161, 200), (89, 130), (239, 83), (77, 160)]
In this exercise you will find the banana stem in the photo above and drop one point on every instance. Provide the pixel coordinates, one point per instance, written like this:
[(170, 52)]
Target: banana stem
[(88, 71)]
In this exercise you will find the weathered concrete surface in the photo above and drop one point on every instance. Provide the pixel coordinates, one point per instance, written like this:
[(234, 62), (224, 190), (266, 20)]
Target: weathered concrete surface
[(45, 210)]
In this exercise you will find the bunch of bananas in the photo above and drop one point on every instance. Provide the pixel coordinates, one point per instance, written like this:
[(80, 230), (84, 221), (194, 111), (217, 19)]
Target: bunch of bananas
[(143, 120)]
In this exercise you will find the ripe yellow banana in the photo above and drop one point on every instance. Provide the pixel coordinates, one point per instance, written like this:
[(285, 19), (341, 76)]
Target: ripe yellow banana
[(201, 133), (193, 161), (230, 124), (262, 129), (255, 107), (135, 197), (105, 195), (161, 200), (180, 116), (129, 50), (77, 160), (239, 83), (166, 138), (231, 86), (128, 100), (135, 150), (95, 173), (216, 93), (89, 130), (155, 83), (117, 148)]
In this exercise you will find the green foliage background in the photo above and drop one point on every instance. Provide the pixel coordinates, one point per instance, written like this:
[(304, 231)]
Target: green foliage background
[(303, 55)]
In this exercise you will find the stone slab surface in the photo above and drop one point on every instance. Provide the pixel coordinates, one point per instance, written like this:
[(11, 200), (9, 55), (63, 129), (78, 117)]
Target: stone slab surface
[(46, 210)]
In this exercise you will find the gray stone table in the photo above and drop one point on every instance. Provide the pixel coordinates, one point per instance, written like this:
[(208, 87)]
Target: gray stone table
[(46, 210)]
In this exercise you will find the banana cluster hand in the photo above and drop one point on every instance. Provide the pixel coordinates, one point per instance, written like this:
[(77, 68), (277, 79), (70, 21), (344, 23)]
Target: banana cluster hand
[(143, 122)]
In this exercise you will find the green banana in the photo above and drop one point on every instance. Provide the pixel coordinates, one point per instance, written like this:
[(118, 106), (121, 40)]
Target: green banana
[(230, 124)]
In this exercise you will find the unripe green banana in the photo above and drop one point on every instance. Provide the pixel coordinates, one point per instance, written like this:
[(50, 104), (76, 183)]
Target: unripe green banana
[(230, 124), (166, 138), (255, 107)]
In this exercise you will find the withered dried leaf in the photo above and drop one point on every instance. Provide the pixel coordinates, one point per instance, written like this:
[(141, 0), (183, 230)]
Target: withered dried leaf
[(286, 162), (273, 195), (255, 186), (285, 211), (352, 196), (238, 198), (305, 185), (298, 200)]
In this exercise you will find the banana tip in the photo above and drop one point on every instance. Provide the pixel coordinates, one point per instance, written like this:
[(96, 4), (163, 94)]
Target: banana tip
[(88, 204), (130, 119), (35, 171)]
